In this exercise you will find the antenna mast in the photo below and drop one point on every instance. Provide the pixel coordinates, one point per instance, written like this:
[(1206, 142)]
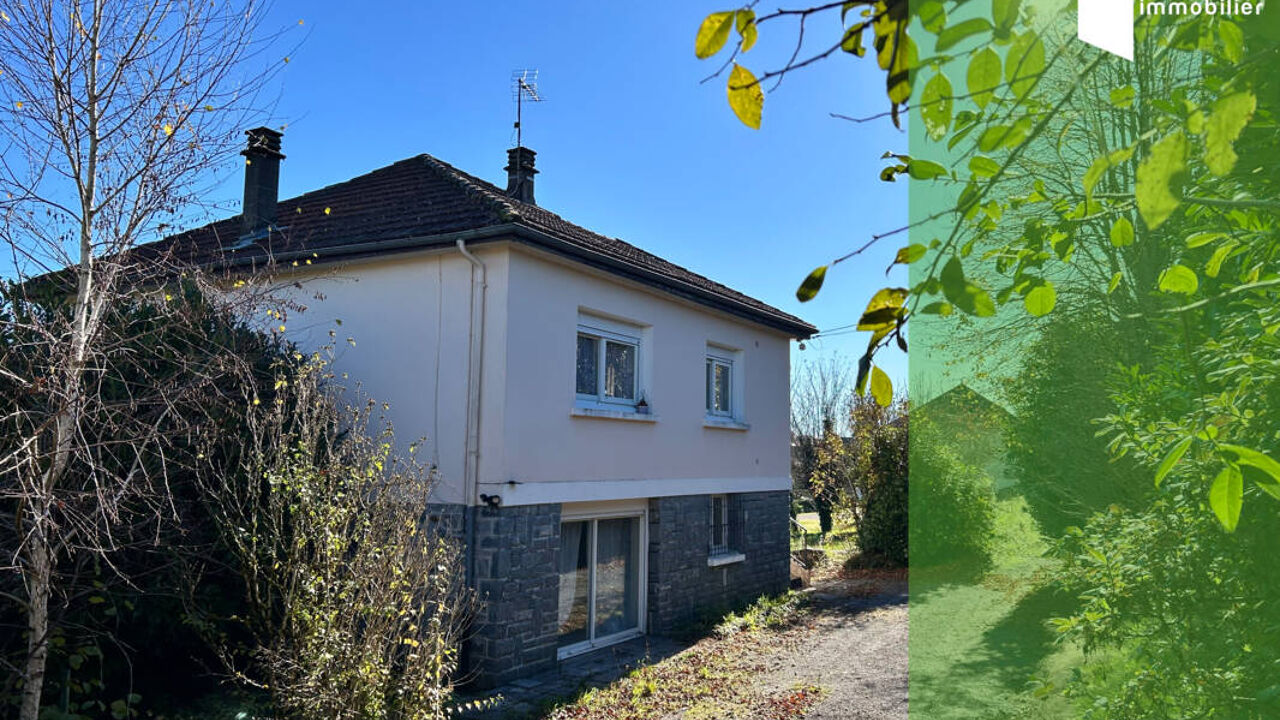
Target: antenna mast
[(524, 84)]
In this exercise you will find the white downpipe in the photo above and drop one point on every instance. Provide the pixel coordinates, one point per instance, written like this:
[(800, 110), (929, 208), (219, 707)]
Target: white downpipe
[(475, 368)]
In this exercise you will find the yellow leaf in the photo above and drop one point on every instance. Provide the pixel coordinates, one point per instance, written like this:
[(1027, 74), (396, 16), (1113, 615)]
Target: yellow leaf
[(713, 34), (326, 211), (745, 96), (19, 104), (881, 387), (168, 129)]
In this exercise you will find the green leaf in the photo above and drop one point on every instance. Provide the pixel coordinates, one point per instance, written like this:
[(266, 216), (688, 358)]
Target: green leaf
[(1115, 282), (1122, 97), (881, 387), (1226, 497), (1002, 136), (1201, 239), (937, 308), (745, 96), (1041, 299), (1172, 459), (983, 76), (746, 22), (925, 169), (812, 284), (982, 166), (1214, 266), (964, 294), (1179, 279), (1122, 233), (713, 34), (910, 254), (1230, 116), (1005, 12), (933, 16), (1024, 63), (954, 34), (935, 107), (1258, 461), (1101, 165), (1232, 40), (1160, 179), (993, 137)]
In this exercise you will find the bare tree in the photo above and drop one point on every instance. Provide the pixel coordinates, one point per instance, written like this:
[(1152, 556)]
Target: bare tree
[(821, 390), (114, 114)]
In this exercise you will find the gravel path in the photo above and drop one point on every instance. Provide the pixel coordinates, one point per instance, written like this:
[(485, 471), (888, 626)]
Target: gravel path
[(856, 652)]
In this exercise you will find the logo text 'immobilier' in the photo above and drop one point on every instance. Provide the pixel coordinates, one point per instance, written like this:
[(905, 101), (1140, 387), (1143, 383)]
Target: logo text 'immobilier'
[(1108, 24)]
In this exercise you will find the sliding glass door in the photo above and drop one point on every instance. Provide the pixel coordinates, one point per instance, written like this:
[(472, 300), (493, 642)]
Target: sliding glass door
[(600, 582)]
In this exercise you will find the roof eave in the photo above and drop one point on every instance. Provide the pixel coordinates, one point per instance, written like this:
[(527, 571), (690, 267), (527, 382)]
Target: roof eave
[(533, 236), (795, 329)]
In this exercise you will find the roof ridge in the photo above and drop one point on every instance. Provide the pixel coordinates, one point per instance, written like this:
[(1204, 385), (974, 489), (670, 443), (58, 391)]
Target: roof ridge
[(475, 187)]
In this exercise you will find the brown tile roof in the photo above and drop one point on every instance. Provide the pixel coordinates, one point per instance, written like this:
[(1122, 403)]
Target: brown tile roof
[(422, 201)]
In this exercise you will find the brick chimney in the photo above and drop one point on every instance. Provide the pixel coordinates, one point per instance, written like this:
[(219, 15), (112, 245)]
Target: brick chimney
[(520, 172), (261, 180)]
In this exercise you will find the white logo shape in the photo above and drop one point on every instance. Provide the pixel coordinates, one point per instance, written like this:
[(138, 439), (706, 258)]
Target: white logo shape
[(1107, 24)]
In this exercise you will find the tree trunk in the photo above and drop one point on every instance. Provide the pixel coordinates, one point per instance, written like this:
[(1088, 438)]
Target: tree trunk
[(39, 573)]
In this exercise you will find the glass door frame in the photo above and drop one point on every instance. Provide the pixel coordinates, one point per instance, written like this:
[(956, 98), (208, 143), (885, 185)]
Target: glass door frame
[(592, 513)]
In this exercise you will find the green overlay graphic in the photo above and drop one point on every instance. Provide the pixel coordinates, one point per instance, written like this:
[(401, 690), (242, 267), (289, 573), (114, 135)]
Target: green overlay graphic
[(1095, 365)]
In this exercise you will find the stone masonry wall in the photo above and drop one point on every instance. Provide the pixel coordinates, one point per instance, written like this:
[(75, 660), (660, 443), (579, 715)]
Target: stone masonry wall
[(683, 588), (516, 576)]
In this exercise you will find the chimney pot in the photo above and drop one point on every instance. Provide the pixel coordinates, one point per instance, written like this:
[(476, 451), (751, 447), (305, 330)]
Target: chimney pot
[(261, 180), (520, 172)]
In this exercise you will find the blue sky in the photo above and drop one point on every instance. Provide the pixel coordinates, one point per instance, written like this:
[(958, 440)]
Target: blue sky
[(629, 143)]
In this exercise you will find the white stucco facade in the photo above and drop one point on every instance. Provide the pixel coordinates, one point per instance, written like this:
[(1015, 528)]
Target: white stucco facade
[(412, 319)]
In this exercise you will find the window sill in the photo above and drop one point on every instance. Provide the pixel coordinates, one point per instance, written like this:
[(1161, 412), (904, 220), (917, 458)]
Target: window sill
[(724, 423), (725, 558), (613, 414)]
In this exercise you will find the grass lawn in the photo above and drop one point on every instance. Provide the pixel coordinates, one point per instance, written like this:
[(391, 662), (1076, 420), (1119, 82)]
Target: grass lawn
[(842, 537), (976, 644)]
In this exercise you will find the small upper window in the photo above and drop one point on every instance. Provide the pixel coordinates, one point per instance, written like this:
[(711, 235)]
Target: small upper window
[(719, 386), (607, 366)]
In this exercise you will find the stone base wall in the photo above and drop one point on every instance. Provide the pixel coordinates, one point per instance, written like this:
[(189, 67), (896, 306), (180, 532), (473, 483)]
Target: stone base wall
[(683, 588), (517, 579), (516, 573)]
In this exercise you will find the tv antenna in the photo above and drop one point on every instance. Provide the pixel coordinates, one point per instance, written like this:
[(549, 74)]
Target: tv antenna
[(524, 84)]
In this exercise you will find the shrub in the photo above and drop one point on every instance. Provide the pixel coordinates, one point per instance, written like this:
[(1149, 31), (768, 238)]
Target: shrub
[(882, 534), (1062, 466), (356, 603), (952, 508)]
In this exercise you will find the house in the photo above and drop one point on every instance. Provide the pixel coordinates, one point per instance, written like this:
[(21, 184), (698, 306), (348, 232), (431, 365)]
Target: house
[(610, 429), (977, 425)]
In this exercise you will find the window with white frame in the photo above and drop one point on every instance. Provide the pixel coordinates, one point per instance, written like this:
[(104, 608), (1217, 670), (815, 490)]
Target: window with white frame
[(720, 384), (608, 366)]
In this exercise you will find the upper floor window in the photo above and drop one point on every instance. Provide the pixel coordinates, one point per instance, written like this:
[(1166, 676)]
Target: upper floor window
[(720, 385), (608, 366)]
